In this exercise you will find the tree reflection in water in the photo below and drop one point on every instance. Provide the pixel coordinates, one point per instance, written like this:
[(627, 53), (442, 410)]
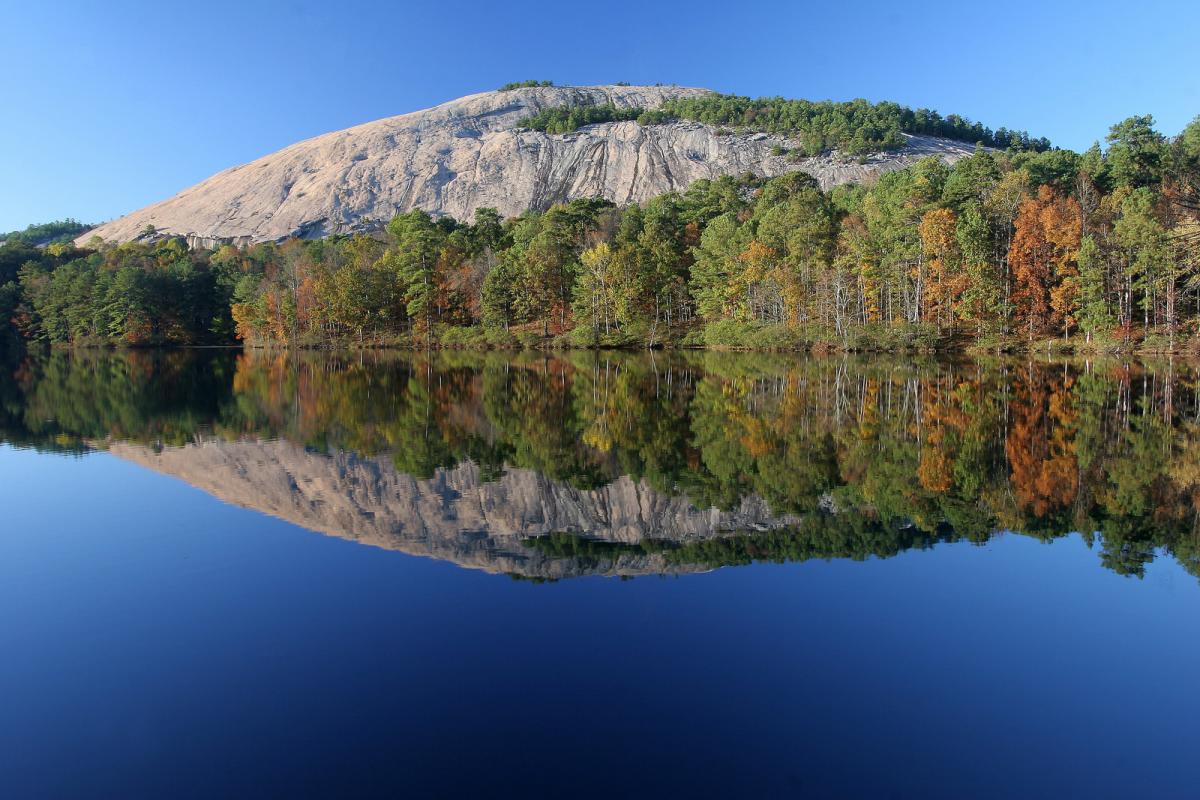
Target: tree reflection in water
[(848, 457)]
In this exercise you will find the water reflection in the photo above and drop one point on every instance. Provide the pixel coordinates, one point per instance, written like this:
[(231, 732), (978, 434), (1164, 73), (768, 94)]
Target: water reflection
[(547, 467)]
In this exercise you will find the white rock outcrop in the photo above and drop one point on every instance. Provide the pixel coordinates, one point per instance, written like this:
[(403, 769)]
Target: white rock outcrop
[(469, 153)]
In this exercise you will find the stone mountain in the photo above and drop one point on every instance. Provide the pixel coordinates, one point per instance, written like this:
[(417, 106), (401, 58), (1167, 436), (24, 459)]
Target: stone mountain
[(470, 153)]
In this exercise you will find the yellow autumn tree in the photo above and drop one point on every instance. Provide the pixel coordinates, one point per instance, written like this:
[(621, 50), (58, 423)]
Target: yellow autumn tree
[(947, 281)]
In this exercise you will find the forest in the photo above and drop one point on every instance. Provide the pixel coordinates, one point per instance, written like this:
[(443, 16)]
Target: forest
[(871, 455), (1006, 249)]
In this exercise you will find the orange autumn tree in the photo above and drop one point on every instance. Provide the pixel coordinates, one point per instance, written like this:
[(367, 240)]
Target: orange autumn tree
[(1043, 256), (943, 423), (1040, 444)]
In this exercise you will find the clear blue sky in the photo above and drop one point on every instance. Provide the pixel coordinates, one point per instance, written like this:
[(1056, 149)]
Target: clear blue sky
[(110, 106)]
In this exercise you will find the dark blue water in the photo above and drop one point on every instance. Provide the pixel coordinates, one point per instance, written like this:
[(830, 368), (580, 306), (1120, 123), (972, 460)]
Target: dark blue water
[(157, 642)]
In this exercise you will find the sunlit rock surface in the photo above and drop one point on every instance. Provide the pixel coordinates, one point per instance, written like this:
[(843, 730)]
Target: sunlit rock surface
[(469, 153)]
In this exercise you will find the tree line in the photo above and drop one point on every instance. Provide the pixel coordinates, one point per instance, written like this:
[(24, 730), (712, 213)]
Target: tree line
[(57, 232), (531, 84), (564, 119), (1094, 249), (855, 127), (136, 293)]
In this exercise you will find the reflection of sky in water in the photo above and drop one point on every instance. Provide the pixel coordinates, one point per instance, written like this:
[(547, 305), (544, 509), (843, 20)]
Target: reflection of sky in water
[(157, 641)]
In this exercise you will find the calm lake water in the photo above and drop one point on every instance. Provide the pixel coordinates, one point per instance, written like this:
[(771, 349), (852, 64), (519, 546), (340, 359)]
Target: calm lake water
[(615, 575)]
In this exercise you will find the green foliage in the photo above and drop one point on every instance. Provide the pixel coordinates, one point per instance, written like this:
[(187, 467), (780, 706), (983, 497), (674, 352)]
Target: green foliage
[(72, 400), (854, 127), (654, 116), (734, 334), (1094, 314), (823, 536), (134, 294), (508, 87), (1057, 168), (564, 119), (60, 232), (417, 246), (454, 336), (1136, 152), (913, 338), (1149, 264)]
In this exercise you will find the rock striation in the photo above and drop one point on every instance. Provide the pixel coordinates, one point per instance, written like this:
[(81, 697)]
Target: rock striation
[(454, 516), (470, 153)]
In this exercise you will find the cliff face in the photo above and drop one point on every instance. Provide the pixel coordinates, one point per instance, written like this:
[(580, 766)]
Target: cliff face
[(468, 154), (453, 516)]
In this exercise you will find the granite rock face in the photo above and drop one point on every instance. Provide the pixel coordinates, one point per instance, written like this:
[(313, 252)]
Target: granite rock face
[(469, 153), (454, 516)]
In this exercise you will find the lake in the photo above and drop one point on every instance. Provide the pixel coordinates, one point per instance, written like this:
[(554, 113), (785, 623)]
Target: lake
[(582, 574)]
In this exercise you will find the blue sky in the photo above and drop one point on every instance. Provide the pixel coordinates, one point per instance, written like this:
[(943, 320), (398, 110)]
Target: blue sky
[(110, 106)]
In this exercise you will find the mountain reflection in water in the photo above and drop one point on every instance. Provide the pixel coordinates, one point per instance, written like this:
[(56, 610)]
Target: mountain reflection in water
[(547, 466)]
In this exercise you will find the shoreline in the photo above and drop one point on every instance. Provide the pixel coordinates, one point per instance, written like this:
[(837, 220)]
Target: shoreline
[(1186, 349)]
